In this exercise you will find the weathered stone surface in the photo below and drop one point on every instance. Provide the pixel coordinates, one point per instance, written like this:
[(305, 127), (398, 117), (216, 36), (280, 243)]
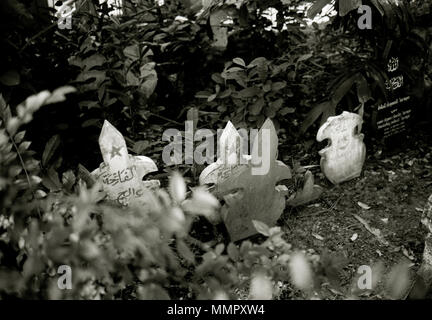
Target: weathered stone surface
[(248, 196), (121, 174), (343, 158)]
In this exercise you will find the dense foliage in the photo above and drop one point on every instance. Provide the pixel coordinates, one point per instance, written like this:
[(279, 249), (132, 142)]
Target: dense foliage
[(143, 70)]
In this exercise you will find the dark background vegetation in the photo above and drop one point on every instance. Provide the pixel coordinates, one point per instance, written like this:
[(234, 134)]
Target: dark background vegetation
[(143, 71)]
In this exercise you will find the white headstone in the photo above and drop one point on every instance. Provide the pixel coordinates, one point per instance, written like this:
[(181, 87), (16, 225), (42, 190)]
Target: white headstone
[(343, 158), (121, 174)]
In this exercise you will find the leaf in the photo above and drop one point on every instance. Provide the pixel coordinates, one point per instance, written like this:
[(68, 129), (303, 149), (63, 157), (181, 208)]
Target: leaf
[(377, 5), (216, 77), (177, 187), (363, 91), (50, 149), (343, 89), (276, 86), (314, 114), (140, 146), (316, 8), (203, 94), (286, 110), (260, 61), (277, 104), (249, 92), (363, 205), (317, 236), (10, 78), (345, 6), (15, 170), (148, 73), (85, 175), (301, 274), (5, 112), (19, 136), (376, 232), (233, 251), (68, 179), (132, 52), (95, 60), (97, 77), (185, 252), (58, 95), (256, 107), (261, 288), (261, 227), (24, 146), (211, 97), (398, 281), (239, 61), (304, 57), (51, 180), (132, 80)]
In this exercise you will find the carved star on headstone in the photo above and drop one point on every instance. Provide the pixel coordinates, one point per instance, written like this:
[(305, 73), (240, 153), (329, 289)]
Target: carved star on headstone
[(115, 151), (121, 174), (248, 193)]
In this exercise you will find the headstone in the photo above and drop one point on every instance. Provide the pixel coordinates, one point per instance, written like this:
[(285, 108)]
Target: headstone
[(393, 114), (343, 159), (248, 196), (121, 174), (404, 64)]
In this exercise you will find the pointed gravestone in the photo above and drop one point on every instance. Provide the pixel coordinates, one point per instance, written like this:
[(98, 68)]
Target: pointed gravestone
[(121, 174), (248, 195), (343, 159)]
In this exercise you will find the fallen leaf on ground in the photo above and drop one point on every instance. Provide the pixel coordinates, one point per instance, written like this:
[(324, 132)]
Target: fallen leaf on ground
[(363, 205), (376, 232), (317, 236)]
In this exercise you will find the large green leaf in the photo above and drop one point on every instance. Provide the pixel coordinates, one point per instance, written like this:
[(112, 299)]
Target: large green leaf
[(343, 88), (378, 6), (363, 91), (10, 78), (345, 6), (316, 8), (324, 107)]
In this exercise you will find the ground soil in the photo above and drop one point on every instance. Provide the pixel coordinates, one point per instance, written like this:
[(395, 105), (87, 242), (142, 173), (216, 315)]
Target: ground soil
[(395, 184)]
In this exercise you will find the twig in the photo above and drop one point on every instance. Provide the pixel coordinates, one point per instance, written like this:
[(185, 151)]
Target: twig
[(166, 119), (37, 35), (24, 168)]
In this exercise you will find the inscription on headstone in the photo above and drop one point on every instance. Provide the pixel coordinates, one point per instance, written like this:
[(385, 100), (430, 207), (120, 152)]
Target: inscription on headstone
[(343, 159), (394, 114), (121, 174)]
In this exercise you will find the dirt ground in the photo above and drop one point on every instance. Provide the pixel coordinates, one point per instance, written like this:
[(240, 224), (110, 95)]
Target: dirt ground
[(389, 198)]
